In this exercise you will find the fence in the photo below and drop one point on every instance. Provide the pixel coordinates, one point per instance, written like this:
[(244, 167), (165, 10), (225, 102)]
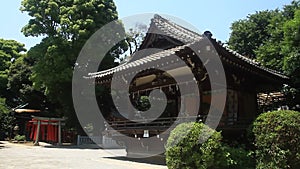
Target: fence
[(105, 142), (81, 140)]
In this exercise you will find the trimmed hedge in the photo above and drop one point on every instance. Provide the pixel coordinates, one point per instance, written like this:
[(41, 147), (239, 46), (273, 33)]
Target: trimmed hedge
[(185, 150), (277, 140)]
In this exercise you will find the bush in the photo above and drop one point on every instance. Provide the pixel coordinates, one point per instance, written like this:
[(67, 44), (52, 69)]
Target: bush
[(236, 158), (6, 120), (185, 150), (20, 137), (277, 139)]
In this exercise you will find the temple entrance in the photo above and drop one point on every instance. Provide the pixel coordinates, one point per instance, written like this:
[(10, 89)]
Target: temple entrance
[(45, 129)]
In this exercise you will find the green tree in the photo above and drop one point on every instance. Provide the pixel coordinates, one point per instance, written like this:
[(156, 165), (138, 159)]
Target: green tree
[(272, 38), (278, 46), (9, 51), (263, 36), (289, 10), (249, 34), (269, 51), (66, 26), (20, 87), (291, 47), (6, 120), (70, 19)]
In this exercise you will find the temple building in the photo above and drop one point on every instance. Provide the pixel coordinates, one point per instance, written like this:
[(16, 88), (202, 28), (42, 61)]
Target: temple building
[(244, 80)]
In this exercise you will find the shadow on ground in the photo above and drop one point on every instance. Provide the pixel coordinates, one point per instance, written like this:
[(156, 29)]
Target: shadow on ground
[(74, 146), (157, 160), (2, 146)]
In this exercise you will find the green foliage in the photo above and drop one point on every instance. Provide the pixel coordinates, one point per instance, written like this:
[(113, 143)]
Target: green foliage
[(9, 50), (248, 34), (70, 19), (189, 147), (265, 35), (21, 87), (291, 47), (6, 120), (54, 65), (269, 50), (184, 150), (66, 26), (20, 137), (235, 158), (143, 103), (272, 38), (277, 139)]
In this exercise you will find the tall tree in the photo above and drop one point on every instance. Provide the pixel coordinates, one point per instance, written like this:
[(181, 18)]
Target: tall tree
[(9, 51), (261, 35), (273, 38), (66, 26), (248, 34)]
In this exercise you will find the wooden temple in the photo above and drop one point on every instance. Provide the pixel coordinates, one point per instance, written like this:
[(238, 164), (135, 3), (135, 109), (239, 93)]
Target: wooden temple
[(245, 78)]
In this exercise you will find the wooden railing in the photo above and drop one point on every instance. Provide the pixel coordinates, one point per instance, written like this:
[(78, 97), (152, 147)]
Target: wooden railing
[(145, 123), (165, 123)]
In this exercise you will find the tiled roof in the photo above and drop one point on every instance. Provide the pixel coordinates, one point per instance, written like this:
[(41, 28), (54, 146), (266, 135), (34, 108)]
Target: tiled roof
[(187, 37), (178, 32), (140, 62), (173, 30), (249, 61)]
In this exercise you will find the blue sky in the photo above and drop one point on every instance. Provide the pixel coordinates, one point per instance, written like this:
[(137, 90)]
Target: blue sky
[(213, 15)]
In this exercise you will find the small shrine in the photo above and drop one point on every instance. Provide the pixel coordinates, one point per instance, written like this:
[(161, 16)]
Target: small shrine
[(45, 129)]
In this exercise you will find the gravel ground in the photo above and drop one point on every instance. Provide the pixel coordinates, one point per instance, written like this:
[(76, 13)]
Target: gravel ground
[(44, 157)]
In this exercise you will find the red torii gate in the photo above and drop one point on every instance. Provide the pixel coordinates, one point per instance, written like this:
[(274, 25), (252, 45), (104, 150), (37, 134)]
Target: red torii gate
[(44, 128)]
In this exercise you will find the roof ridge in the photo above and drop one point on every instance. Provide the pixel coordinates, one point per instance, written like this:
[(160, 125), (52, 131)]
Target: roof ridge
[(183, 34), (157, 16)]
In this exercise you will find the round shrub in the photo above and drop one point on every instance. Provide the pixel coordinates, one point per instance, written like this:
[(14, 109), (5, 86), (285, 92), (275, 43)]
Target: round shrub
[(185, 150), (277, 139)]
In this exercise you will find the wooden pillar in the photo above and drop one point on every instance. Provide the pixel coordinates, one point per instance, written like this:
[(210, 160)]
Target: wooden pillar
[(36, 143), (55, 133), (49, 132), (32, 131), (52, 133), (52, 129), (42, 132)]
